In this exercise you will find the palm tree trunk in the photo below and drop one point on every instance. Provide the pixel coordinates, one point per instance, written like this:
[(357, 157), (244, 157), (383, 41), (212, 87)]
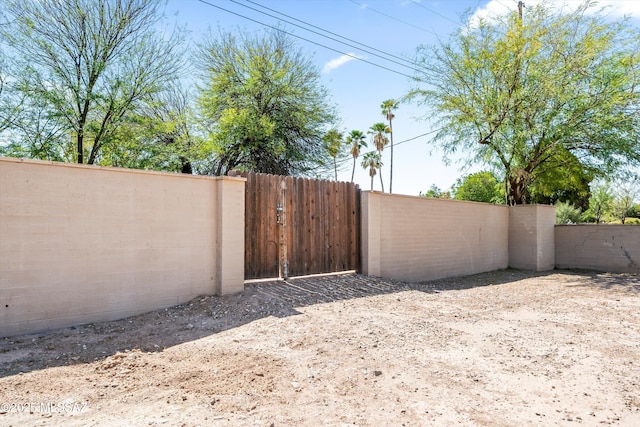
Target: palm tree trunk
[(354, 169), (380, 170), (391, 166)]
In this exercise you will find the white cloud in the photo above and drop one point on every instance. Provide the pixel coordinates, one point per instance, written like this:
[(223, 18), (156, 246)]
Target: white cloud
[(621, 8), (338, 62), (614, 8), (488, 11)]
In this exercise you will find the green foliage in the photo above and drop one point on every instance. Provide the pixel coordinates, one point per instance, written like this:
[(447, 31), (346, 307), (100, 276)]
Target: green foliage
[(551, 100), (371, 161), (479, 187), (561, 179), (379, 139), (621, 208), (388, 107), (8, 109), (600, 203), (159, 135), (85, 65), (356, 142), (567, 214), (34, 130), (626, 192), (334, 144), (263, 104), (436, 193)]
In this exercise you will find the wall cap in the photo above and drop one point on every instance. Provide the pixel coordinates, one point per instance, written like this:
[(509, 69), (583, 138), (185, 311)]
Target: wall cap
[(119, 170), (437, 200)]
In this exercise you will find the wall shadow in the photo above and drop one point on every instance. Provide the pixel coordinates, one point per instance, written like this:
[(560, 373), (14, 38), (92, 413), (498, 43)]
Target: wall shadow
[(208, 315), (621, 282)]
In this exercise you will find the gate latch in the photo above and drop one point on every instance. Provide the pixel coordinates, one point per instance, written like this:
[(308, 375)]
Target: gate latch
[(279, 213)]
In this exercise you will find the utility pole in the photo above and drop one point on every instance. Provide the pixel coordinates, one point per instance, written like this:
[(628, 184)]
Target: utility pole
[(520, 6)]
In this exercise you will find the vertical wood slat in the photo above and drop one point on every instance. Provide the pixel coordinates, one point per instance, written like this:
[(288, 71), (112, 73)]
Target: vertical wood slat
[(323, 226)]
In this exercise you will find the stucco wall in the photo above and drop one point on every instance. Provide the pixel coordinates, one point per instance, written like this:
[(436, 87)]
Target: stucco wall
[(82, 244), (416, 238), (611, 248), (531, 237)]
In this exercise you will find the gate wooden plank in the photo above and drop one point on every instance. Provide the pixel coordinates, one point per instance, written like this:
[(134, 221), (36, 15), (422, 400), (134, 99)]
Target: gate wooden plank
[(323, 220), (249, 229), (357, 229), (318, 232), (343, 229), (249, 218), (336, 226), (348, 227), (274, 196), (333, 244), (291, 220), (259, 230), (305, 229)]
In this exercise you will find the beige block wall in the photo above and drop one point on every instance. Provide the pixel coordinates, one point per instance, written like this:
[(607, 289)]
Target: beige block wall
[(230, 236), (81, 244), (531, 237), (610, 248), (415, 238)]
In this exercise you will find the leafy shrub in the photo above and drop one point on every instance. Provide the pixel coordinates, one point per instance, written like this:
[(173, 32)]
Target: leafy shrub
[(627, 221), (567, 214)]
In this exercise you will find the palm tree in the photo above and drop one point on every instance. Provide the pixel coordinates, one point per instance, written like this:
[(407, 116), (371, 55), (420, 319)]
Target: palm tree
[(333, 142), (371, 161), (388, 107), (356, 139), (378, 131)]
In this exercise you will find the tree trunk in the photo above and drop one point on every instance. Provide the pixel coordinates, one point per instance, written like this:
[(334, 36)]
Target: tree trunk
[(186, 166), (80, 138), (517, 190)]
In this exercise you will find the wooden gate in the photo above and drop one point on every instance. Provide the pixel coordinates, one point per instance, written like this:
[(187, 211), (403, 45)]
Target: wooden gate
[(299, 226)]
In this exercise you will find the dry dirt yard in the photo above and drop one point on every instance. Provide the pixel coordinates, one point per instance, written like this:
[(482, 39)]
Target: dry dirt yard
[(507, 348)]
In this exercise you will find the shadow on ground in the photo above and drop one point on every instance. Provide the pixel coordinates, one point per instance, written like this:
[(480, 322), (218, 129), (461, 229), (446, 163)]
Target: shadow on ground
[(208, 315), (623, 282)]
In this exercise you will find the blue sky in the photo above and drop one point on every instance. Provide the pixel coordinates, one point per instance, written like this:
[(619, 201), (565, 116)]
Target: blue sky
[(358, 88)]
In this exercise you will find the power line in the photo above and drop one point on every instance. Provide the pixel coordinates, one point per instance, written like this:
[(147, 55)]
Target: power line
[(391, 17), (322, 35), (307, 40), (347, 159), (417, 3), (504, 4), (329, 32)]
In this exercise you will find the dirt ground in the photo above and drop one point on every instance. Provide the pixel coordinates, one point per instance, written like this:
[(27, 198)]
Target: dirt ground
[(507, 348)]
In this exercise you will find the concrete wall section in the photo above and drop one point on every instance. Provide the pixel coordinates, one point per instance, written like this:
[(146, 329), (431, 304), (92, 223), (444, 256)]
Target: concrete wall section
[(415, 238), (81, 244), (370, 233), (531, 237), (230, 241), (611, 248)]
